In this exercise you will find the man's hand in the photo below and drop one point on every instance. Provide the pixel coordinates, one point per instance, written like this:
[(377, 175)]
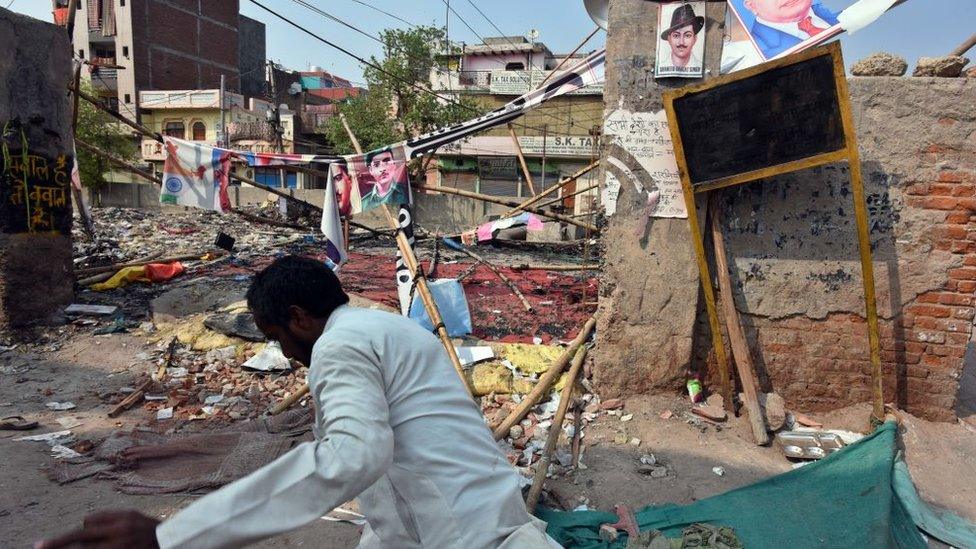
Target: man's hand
[(109, 530)]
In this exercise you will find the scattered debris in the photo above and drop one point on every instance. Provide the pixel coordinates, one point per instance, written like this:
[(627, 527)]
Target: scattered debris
[(60, 406), (880, 64), (806, 421), (612, 404), (164, 413), (949, 66), (269, 359), (809, 444), (775, 408), (710, 412), (720, 471), (95, 310)]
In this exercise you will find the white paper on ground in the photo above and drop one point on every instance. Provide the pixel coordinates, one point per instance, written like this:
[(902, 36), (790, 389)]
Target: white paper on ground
[(269, 359), (61, 406), (863, 13), (46, 437), (472, 355)]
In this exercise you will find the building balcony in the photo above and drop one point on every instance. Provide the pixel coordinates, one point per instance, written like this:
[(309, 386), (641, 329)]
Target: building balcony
[(105, 80)]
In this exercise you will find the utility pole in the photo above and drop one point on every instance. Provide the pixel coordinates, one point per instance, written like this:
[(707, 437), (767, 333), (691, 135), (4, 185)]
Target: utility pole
[(222, 137), (447, 25), (545, 134), (278, 142)]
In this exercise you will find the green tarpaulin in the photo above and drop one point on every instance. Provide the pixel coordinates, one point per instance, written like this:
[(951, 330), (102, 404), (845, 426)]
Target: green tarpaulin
[(845, 500)]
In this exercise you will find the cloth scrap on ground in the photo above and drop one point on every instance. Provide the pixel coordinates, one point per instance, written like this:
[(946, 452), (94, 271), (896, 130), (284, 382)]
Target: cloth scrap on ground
[(154, 272)]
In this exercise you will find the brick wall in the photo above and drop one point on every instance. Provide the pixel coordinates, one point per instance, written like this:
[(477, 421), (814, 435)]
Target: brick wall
[(185, 44), (802, 307)]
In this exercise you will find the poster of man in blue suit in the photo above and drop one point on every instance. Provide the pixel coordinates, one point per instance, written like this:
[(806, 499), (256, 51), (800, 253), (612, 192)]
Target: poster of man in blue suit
[(778, 25)]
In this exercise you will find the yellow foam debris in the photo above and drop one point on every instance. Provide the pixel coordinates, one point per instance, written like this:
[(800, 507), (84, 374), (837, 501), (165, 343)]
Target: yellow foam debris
[(531, 359)]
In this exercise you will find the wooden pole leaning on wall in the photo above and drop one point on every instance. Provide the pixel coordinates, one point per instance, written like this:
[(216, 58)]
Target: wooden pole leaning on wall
[(521, 158), (421, 280), (737, 337)]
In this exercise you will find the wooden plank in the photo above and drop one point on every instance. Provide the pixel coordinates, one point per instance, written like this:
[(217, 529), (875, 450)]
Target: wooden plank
[(864, 244), (795, 165), (737, 337), (699, 245)]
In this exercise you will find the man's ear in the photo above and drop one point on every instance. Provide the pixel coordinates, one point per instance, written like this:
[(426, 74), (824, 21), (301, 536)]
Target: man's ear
[(749, 5), (298, 318)]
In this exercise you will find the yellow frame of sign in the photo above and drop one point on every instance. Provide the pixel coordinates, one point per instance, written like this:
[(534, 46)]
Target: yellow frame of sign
[(848, 153)]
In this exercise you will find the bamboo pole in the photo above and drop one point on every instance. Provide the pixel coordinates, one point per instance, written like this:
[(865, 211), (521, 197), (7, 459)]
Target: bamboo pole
[(965, 46), (140, 263), (570, 56), (545, 382), (521, 157), (565, 196), (552, 189), (555, 268), (737, 337), (422, 288), (503, 202), (289, 401), (511, 285), (86, 218), (542, 466)]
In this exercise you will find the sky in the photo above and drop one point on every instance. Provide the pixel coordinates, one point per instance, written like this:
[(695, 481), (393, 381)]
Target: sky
[(914, 29)]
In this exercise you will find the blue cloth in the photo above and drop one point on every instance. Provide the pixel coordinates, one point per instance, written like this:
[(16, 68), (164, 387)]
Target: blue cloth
[(452, 304), (772, 42)]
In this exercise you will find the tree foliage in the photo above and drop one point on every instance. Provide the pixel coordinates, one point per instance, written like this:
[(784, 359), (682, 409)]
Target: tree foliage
[(97, 128), (395, 106)]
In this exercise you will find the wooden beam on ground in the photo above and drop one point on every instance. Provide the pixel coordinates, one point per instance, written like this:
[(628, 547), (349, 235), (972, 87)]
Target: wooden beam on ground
[(733, 323), (555, 268)]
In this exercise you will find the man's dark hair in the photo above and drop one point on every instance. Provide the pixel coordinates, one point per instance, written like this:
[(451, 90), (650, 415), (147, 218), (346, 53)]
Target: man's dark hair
[(294, 280), (373, 154)]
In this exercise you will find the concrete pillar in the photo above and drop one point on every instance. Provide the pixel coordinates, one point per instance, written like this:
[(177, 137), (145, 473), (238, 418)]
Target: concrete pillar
[(36, 269), (649, 288)]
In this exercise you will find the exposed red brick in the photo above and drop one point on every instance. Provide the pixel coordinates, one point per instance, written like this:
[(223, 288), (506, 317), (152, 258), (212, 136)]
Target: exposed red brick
[(963, 274), (945, 203), (964, 190), (935, 311)]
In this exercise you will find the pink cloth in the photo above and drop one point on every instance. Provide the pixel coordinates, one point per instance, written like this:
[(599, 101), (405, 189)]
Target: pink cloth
[(534, 224), (486, 232)]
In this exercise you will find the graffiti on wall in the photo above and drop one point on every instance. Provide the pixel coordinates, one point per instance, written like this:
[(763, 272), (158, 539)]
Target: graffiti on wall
[(34, 188)]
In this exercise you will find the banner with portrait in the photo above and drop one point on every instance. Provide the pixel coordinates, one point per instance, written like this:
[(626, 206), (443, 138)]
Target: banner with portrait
[(681, 40), (379, 177), (195, 175), (760, 30)]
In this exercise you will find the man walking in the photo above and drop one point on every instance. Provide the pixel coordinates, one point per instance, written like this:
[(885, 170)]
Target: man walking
[(394, 427)]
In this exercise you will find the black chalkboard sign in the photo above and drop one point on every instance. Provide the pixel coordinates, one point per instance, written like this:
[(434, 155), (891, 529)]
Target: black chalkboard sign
[(769, 116)]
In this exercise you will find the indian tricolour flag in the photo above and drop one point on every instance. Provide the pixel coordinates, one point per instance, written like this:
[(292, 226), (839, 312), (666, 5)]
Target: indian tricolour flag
[(195, 175)]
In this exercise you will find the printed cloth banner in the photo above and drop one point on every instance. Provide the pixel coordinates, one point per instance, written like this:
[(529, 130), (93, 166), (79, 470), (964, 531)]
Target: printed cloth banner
[(486, 231), (195, 175), (371, 180), (274, 159), (332, 227), (586, 72), (761, 30)]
